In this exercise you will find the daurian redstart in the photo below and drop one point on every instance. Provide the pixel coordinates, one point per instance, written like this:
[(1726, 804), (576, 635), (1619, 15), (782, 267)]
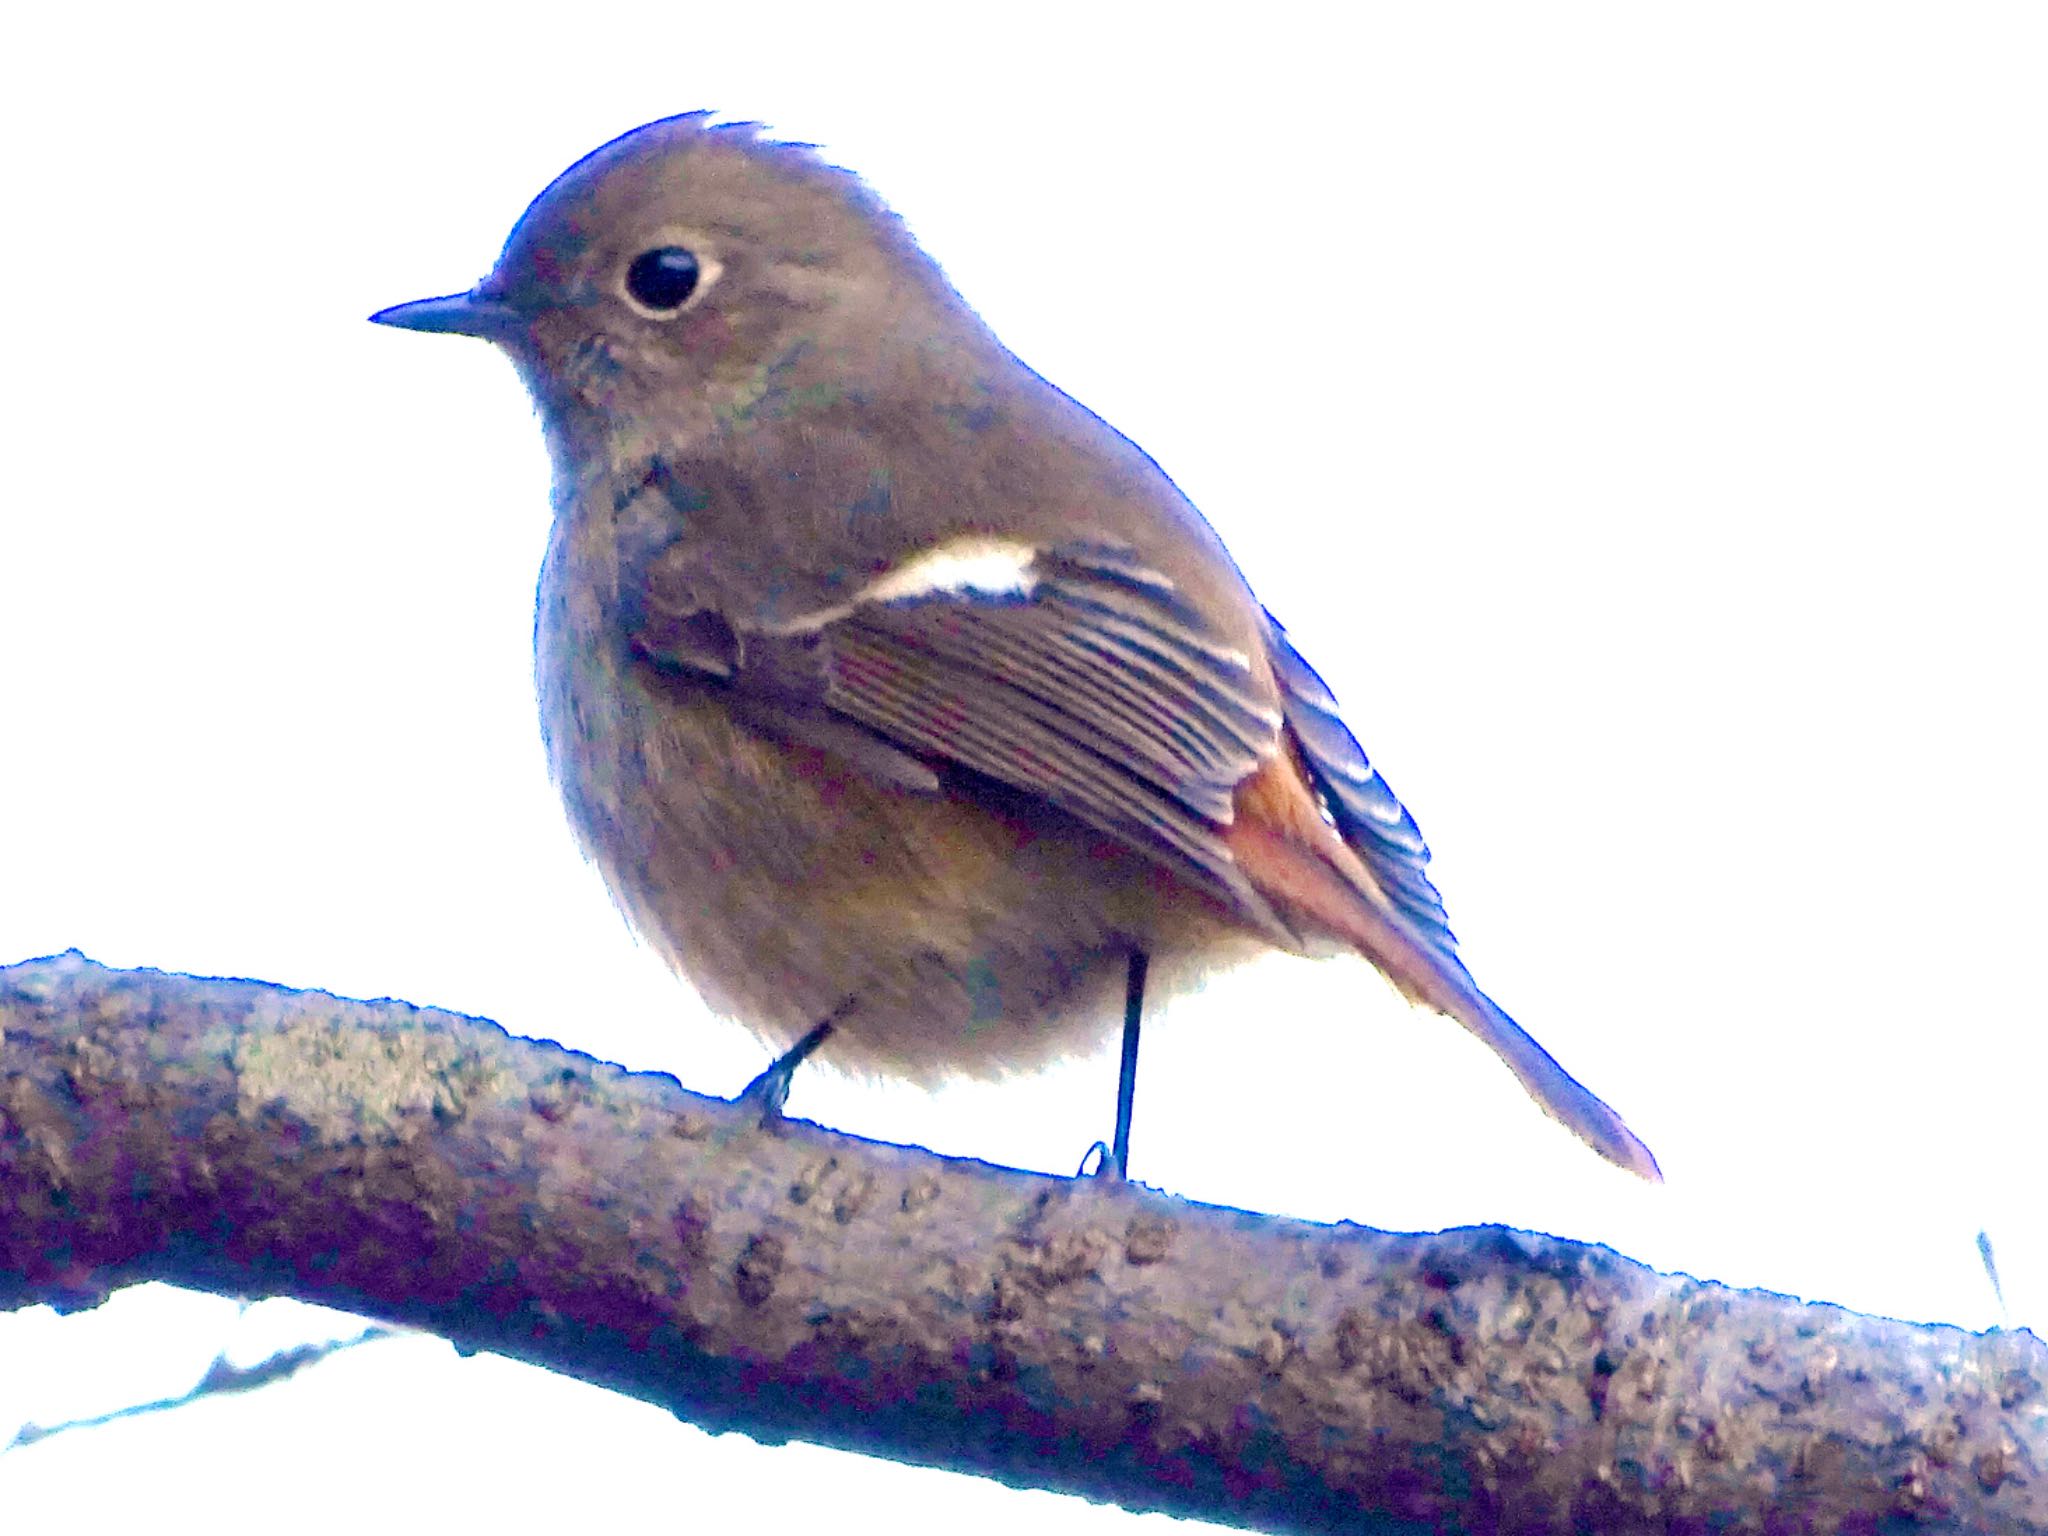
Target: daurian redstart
[(886, 683)]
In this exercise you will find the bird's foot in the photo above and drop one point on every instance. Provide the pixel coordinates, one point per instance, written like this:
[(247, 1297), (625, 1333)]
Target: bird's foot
[(768, 1092), (1107, 1166)]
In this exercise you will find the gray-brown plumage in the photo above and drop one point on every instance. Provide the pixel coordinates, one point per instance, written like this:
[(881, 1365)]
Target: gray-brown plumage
[(879, 675)]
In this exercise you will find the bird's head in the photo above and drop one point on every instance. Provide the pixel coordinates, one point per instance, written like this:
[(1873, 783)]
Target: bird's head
[(691, 275)]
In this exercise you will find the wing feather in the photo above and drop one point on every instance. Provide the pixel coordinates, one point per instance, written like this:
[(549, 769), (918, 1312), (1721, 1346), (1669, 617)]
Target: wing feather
[(1092, 686), (990, 726), (1370, 819)]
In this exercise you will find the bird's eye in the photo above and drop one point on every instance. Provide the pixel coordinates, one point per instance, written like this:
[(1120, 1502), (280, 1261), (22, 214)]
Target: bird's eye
[(662, 280)]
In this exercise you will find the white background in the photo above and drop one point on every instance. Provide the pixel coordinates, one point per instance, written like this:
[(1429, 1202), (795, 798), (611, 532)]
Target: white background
[(1636, 414)]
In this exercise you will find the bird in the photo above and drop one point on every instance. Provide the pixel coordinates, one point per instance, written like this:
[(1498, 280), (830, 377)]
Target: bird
[(909, 710)]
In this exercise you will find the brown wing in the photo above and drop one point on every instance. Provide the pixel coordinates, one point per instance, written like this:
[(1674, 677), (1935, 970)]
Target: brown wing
[(1089, 684), (1375, 825)]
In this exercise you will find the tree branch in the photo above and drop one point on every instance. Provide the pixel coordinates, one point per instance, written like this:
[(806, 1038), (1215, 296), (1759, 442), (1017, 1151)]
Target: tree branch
[(509, 1195)]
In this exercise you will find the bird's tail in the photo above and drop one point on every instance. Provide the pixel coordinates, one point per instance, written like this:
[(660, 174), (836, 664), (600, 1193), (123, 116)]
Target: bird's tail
[(1330, 888)]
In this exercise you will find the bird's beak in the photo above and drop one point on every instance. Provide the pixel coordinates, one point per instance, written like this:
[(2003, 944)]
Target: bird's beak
[(463, 314)]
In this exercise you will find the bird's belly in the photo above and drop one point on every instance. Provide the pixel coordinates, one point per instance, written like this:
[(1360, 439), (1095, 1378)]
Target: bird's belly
[(783, 882)]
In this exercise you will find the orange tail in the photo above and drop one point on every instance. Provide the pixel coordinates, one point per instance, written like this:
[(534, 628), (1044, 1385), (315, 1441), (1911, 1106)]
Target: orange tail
[(1299, 863)]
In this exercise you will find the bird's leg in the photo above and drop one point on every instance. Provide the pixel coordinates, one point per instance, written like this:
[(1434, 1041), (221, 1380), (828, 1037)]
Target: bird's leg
[(1116, 1158), (770, 1090)]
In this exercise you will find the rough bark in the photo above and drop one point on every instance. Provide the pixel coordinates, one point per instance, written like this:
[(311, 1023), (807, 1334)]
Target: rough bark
[(509, 1195)]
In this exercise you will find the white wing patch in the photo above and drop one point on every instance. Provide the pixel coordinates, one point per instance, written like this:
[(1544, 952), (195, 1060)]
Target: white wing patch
[(975, 566), (981, 566)]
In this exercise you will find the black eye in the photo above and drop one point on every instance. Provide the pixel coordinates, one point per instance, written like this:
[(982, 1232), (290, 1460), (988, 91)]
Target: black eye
[(663, 279)]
